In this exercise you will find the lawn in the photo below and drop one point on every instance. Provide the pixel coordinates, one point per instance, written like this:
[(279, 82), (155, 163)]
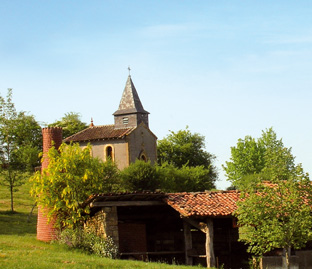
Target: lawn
[(20, 249)]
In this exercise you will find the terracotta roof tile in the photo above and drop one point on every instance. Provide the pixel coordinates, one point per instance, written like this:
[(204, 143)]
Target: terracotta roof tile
[(99, 133), (188, 204), (214, 203), (127, 196)]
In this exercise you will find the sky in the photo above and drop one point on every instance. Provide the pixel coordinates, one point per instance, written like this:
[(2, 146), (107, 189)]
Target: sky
[(225, 69)]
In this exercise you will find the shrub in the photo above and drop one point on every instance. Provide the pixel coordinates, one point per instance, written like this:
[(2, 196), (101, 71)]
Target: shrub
[(71, 177), (89, 242)]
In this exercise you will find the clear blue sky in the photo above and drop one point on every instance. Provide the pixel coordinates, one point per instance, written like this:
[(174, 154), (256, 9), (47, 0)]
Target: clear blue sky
[(226, 69)]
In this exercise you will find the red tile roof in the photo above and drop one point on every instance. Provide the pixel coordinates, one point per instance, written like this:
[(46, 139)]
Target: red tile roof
[(202, 204), (188, 204), (99, 133)]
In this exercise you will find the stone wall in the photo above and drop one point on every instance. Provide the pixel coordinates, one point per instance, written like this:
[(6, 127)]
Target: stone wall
[(142, 140), (105, 223)]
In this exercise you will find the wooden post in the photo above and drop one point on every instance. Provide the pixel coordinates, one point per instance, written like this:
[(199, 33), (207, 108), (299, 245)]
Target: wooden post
[(187, 242), (211, 261)]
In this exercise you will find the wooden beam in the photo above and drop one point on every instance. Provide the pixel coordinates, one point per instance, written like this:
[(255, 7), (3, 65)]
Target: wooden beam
[(187, 242), (126, 203), (206, 228), (197, 224), (210, 257)]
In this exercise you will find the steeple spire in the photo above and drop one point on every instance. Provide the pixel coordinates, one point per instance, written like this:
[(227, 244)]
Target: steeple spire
[(130, 112)]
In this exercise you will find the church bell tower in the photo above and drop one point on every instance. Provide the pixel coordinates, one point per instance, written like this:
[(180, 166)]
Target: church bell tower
[(130, 112)]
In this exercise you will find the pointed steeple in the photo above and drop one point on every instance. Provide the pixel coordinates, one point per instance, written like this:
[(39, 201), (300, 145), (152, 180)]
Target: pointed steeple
[(130, 112)]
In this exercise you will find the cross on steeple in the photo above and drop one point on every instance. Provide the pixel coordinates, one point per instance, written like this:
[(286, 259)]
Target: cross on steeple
[(129, 70)]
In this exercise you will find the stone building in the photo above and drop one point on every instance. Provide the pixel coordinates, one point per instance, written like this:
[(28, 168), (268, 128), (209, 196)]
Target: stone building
[(128, 139)]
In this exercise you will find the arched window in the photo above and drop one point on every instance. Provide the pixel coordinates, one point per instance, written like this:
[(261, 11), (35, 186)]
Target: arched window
[(109, 153), (91, 149), (143, 157)]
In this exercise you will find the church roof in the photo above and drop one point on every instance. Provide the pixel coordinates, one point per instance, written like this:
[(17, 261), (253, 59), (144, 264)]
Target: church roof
[(99, 133), (130, 101)]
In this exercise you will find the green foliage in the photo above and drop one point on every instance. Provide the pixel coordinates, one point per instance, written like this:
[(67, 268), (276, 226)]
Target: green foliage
[(89, 242), (20, 142), (184, 148), (184, 163), (263, 159), (71, 124), (184, 179), (276, 215), (140, 176), (246, 158), (71, 177)]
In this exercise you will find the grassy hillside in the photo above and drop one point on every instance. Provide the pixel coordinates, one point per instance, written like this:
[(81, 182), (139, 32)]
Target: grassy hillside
[(20, 249), (22, 200)]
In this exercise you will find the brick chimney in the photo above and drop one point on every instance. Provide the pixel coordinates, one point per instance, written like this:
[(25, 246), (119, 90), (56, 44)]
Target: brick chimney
[(51, 136)]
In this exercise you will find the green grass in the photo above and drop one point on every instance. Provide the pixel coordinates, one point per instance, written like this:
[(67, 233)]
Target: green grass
[(23, 202), (24, 251), (20, 249)]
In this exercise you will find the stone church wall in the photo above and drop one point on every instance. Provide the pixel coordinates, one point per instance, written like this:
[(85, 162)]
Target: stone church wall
[(121, 156), (142, 140)]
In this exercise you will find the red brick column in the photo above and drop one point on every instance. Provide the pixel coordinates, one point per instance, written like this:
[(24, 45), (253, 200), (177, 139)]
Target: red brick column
[(50, 137), (45, 230)]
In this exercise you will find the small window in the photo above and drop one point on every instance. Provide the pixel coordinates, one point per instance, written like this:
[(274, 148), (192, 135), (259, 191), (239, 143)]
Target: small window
[(125, 120), (109, 152), (143, 157)]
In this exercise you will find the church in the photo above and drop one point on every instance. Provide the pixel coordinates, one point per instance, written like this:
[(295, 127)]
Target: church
[(125, 141)]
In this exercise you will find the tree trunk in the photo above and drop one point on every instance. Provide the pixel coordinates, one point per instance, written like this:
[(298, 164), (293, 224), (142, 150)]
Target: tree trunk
[(11, 191), (287, 252)]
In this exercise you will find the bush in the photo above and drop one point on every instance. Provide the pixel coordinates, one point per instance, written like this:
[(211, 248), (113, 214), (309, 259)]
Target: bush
[(89, 242), (140, 176)]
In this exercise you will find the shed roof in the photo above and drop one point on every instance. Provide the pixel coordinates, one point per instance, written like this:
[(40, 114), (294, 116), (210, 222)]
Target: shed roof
[(99, 133), (188, 204), (202, 204)]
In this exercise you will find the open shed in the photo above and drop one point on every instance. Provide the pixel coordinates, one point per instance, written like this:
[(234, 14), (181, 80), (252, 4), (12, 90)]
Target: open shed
[(185, 228)]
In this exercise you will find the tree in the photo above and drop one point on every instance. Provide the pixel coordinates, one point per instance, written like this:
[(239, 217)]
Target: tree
[(20, 137), (140, 176), (184, 179), (276, 215), (246, 158), (144, 176), (71, 124), (71, 177), (184, 149), (28, 138), (266, 156)]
